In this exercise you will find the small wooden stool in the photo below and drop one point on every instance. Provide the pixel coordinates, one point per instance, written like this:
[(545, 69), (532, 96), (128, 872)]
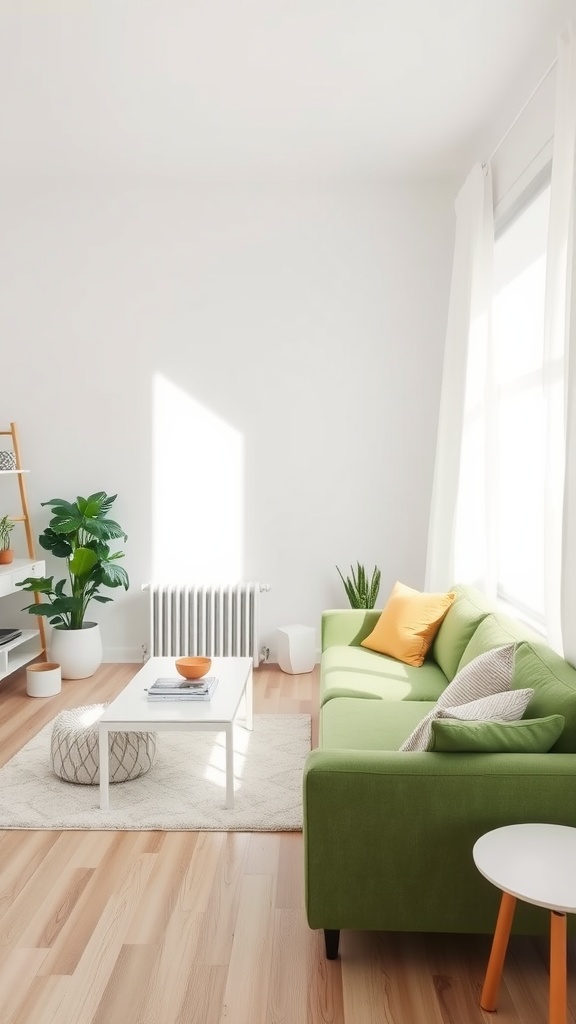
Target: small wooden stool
[(535, 863)]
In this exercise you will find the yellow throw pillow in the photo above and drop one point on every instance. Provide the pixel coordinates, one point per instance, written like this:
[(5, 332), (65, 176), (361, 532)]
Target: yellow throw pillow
[(408, 624)]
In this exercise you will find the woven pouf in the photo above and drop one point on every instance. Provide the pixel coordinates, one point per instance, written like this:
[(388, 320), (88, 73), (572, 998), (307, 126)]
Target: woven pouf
[(74, 748)]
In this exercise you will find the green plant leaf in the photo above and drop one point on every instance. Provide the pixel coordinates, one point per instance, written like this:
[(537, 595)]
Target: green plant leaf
[(104, 529), (374, 587), (37, 584), (105, 501), (114, 575), (82, 561), (59, 503), (92, 507), (69, 523), (51, 541), (39, 609)]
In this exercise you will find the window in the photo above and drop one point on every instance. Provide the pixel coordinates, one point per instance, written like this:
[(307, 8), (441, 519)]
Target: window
[(519, 442)]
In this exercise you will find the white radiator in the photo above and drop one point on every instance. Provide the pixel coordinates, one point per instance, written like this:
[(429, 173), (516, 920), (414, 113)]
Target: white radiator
[(213, 621)]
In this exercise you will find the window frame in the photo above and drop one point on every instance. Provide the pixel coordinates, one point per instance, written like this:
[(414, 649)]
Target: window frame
[(505, 217)]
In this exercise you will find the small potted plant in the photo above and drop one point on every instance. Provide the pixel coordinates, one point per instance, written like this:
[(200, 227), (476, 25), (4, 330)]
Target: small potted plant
[(79, 532), (361, 591), (6, 552)]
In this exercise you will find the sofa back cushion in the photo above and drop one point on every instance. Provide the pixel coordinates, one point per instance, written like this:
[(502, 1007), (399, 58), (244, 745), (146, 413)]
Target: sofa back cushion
[(554, 683), (536, 666), (458, 626), (495, 630)]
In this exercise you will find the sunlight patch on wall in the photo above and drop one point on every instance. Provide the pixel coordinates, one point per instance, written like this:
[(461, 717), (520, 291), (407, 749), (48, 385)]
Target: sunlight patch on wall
[(197, 491)]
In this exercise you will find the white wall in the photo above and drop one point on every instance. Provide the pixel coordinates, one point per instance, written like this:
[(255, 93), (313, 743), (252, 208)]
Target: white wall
[(307, 322)]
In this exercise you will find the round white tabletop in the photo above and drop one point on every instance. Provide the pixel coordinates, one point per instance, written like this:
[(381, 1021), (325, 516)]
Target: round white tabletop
[(534, 862)]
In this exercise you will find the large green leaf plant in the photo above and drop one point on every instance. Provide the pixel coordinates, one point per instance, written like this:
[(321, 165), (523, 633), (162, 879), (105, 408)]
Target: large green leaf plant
[(78, 532)]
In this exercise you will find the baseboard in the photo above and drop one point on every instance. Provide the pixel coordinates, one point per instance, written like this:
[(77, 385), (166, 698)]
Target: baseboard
[(136, 654), (129, 655)]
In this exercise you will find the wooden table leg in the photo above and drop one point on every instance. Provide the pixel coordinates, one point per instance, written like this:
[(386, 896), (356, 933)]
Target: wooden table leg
[(558, 993), (498, 952)]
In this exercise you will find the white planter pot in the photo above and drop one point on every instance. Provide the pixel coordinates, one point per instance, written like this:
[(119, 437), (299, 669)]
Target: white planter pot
[(78, 651), (43, 679)]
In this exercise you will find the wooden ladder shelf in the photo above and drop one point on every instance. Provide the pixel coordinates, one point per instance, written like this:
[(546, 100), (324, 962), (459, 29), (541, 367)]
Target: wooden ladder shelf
[(24, 518)]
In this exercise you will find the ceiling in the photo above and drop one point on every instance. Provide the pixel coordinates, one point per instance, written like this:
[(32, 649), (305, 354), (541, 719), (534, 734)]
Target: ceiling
[(224, 88)]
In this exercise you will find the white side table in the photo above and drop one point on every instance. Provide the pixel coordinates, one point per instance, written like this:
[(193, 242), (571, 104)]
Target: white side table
[(296, 649), (535, 863)]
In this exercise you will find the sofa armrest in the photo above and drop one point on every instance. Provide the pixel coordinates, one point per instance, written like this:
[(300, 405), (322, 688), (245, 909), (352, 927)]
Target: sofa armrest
[(389, 835), (394, 765), (347, 626)]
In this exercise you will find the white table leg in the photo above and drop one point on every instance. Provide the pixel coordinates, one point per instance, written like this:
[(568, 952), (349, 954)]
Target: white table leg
[(230, 766), (248, 700), (104, 767)]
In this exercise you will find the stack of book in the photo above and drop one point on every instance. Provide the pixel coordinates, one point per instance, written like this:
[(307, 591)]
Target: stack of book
[(183, 689)]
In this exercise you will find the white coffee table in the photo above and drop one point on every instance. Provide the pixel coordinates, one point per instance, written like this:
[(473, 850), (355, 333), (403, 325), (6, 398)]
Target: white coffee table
[(132, 711), (535, 863)]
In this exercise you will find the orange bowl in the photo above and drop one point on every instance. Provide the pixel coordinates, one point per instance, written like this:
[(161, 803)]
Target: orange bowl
[(193, 668)]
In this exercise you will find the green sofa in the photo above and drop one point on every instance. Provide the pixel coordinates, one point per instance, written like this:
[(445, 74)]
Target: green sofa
[(388, 835)]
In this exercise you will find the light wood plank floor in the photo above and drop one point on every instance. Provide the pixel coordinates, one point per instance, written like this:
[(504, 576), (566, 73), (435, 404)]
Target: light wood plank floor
[(207, 928)]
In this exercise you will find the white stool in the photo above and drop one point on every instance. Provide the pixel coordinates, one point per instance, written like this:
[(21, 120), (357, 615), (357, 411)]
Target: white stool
[(296, 649), (533, 863)]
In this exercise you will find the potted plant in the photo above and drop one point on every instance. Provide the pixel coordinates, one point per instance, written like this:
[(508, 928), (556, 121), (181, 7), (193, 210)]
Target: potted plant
[(361, 591), (79, 532), (6, 552)]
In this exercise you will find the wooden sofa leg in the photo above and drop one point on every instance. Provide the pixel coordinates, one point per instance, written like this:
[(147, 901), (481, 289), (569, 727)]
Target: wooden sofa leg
[(331, 941)]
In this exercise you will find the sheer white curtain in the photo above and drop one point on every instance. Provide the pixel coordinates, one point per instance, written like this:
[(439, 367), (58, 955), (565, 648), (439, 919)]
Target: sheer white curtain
[(460, 514), (560, 365)]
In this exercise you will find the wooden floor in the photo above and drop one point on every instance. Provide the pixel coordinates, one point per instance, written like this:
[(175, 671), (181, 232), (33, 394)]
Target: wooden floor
[(206, 928)]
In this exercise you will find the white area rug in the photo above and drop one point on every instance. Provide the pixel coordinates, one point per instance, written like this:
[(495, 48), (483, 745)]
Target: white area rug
[(184, 790)]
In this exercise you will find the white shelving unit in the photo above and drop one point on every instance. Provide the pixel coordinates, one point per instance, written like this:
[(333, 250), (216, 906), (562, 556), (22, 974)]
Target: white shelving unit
[(28, 645), (31, 642)]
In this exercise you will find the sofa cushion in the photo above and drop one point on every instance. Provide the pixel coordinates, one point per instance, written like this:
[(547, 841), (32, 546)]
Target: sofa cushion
[(554, 683), (457, 628), (505, 707), (355, 672), (494, 631), (526, 736), (408, 624), (353, 724)]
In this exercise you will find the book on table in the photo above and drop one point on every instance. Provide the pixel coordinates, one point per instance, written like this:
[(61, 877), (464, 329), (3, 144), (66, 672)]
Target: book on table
[(183, 689)]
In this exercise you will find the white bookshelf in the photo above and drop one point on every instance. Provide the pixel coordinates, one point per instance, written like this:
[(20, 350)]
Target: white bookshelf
[(17, 653)]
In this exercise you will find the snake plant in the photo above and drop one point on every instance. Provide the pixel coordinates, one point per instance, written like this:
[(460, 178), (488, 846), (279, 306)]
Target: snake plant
[(6, 527), (361, 592)]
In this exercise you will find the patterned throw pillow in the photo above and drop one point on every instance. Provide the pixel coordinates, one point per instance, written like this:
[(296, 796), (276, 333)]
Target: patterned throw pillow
[(488, 674), (508, 706)]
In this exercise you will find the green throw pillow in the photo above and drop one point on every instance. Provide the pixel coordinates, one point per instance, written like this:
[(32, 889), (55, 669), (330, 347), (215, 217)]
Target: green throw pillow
[(526, 736)]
